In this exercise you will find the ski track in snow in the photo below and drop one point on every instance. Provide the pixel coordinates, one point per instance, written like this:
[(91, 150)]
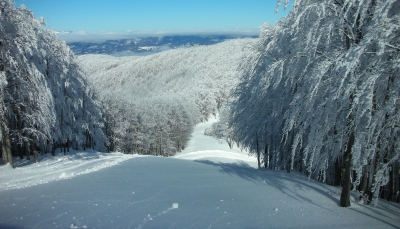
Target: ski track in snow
[(149, 217), (205, 148)]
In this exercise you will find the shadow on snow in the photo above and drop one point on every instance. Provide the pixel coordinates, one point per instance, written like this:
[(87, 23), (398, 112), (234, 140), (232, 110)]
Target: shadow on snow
[(292, 184), (296, 185)]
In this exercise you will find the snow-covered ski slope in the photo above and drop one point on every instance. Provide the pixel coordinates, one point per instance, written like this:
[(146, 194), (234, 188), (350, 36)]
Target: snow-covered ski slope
[(206, 186), (202, 147)]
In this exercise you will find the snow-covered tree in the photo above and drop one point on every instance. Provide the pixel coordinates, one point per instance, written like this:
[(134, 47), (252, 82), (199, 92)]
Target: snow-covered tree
[(320, 94), (46, 101), (152, 103)]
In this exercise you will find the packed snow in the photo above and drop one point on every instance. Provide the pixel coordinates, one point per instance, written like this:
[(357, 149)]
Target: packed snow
[(207, 185), (52, 168), (202, 147)]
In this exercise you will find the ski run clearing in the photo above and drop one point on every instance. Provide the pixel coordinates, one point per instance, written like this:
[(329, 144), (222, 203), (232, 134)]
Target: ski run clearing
[(208, 185)]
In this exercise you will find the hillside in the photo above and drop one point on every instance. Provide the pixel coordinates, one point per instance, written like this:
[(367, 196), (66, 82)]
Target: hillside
[(315, 98), (153, 102), (219, 189)]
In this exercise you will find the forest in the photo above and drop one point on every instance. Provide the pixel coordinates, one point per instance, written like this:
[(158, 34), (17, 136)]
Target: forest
[(147, 105), (46, 101), (161, 97), (318, 93)]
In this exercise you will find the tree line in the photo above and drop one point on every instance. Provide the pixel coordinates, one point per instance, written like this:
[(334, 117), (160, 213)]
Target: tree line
[(320, 95), (152, 103), (46, 102), (146, 105)]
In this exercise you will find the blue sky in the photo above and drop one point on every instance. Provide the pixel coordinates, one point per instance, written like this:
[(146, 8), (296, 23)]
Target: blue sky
[(97, 16)]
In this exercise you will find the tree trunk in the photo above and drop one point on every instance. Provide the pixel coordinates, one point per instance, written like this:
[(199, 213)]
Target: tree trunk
[(53, 148), (346, 174), (258, 153), (289, 166), (375, 165), (229, 140), (266, 157), (6, 146), (33, 150), (390, 195), (338, 173), (364, 182), (27, 152)]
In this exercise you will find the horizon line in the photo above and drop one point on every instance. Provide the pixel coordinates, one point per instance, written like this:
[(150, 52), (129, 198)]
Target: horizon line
[(84, 36)]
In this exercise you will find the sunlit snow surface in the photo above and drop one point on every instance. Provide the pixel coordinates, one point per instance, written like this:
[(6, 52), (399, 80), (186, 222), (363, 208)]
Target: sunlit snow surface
[(58, 167), (206, 186), (202, 147)]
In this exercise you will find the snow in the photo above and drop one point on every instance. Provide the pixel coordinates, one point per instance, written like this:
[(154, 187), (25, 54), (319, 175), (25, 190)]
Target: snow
[(206, 186), (202, 147), (52, 168)]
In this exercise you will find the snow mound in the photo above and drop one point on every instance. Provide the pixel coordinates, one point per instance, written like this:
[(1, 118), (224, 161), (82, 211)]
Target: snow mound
[(58, 167)]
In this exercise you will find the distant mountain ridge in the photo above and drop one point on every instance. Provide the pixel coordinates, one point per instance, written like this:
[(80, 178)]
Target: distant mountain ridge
[(148, 45)]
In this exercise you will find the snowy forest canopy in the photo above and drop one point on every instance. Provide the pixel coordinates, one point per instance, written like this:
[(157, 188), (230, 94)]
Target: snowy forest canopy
[(46, 102), (146, 105), (320, 95), (152, 103), (317, 93)]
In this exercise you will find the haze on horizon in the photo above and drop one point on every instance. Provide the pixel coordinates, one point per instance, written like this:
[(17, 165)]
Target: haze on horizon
[(122, 19)]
